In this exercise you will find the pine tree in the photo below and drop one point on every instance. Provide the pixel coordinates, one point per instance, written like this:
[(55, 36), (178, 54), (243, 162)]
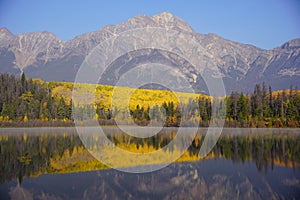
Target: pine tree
[(271, 106), (242, 107), (23, 82)]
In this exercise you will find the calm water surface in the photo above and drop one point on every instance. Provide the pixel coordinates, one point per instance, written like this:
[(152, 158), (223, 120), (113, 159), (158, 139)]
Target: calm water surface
[(245, 163)]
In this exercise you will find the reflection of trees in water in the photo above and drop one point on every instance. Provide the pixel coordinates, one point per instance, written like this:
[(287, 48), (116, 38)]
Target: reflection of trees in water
[(31, 155), (265, 150), (24, 155)]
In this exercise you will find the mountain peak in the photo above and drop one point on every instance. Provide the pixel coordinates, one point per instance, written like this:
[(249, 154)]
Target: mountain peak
[(5, 31), (167, 19), (165, 14), (141, 19), (292, 44), (5, 34), (141, 16)]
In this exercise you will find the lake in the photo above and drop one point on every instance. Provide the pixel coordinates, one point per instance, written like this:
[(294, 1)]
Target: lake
[(55, 163)]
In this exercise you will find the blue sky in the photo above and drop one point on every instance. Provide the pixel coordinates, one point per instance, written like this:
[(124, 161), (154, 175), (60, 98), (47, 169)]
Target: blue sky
[(263, 23)]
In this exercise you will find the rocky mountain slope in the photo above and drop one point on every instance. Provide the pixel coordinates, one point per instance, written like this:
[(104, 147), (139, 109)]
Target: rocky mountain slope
[(43, 55)]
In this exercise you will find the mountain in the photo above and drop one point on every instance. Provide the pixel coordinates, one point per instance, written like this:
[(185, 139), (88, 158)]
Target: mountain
[(43, 55)]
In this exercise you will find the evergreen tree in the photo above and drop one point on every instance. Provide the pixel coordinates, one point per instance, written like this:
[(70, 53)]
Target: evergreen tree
[(242, 107)]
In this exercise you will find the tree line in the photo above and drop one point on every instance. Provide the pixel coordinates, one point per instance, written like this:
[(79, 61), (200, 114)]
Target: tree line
[(264, 108), (31, 102), (26, 101)]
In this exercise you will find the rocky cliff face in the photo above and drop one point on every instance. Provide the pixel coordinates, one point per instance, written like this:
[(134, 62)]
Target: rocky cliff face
[(241, 66)]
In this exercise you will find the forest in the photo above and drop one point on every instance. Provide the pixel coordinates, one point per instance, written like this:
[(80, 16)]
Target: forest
[(34, 103)]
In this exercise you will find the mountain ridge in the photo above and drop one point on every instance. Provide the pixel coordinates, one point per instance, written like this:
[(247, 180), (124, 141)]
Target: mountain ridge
[(41, 54)]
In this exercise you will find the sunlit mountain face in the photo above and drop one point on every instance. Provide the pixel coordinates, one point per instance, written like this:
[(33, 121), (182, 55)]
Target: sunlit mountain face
[(43, 55)]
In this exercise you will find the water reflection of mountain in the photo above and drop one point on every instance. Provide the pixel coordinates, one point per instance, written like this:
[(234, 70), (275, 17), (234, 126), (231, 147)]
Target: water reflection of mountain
[(209, 179), (31, 154)]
